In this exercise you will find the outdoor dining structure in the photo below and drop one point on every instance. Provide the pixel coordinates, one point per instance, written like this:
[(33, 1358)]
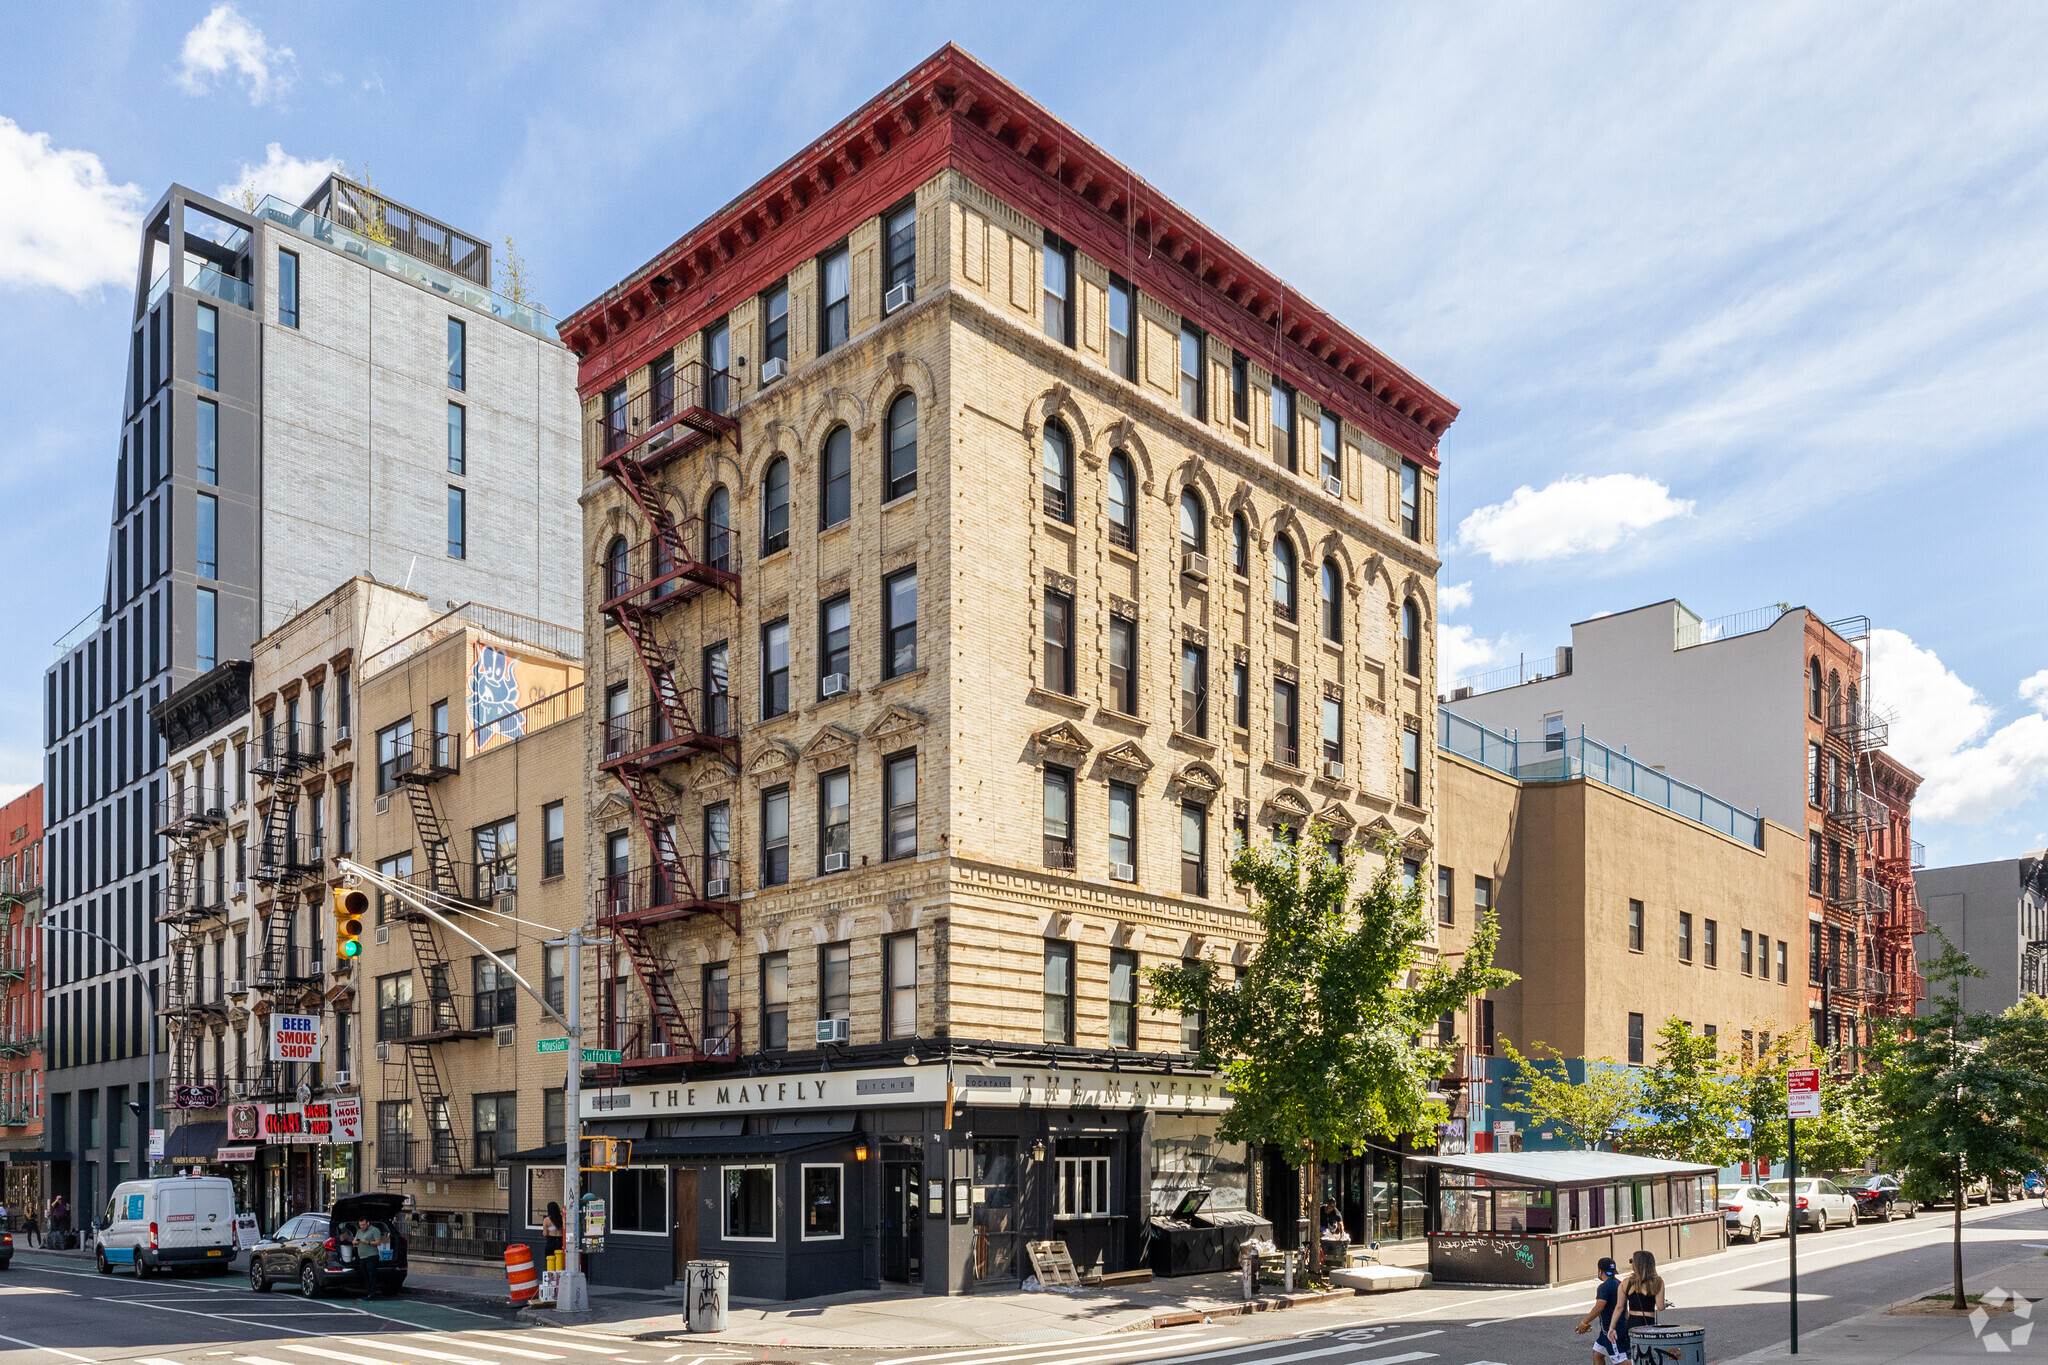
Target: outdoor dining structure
[(1543, 1218)]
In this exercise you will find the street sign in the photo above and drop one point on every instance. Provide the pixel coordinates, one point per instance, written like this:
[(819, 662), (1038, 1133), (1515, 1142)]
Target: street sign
[(609, 1056), (551, 1045), (1802, 1093)]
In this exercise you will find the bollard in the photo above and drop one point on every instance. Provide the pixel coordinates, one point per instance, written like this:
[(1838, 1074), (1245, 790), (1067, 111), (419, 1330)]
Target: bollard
[(708, 1288), (1667, 1346), (1248, 1268), (1289, 1286)]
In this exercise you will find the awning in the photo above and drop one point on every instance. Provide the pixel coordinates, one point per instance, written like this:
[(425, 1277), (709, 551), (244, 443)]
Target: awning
[(30, 1158), (1563, 1168), (756, 1144), (195, 1139)]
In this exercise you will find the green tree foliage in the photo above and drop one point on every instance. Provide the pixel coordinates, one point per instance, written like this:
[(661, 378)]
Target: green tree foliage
[(1761, 1081), (1690, 1103), (2021, 1042), (1842, 1138), (1320, 1041), (1586, 1111), (1952, 1093), (515, 280)]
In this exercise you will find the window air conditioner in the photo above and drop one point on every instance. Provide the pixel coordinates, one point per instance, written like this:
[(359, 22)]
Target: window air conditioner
[(835, 862), (341, 732), (718, 887), (241, 888), (772, 369), (344, 1078), (505, 1037), (657, 1049), (1333, 485), (1333, 768), (832, 1031), (241, 1090), (238, 988), (504, 1174), (659, 441), (1122, 872), (897, 297), (716, 1047), (384, 805), (833, 685), (383, 1052), (505, 883), (1195, 565)]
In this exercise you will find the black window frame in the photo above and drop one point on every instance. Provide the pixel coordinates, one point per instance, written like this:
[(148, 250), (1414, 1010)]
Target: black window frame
[(835, 963), (835, 478), (835, 836), (1126, 795), (775, 699), (1240, 386), (1190, 332), (458, 439), (1058, 848), (1241, 695), (899, 247), (835, 658), (1287, 726), (458, 355), (1057, 497), (1411, 765), (1124, 363), (1062, 952), (899, 475), (1123, 1008), (1194, 865), (1123, 677), (775, 513), (554, 841), (831, 310), (1194, 702), (1057, 613), (899, 638), (1284, 555), (1285, 424), (773, 973), (458, 523), (774, 329), (1123, 523), (1635, 925), (1058, 249), (1411, 639), (1330, 457), (1446, 896), (893, 810), (1635, 1038), (288, 289), (1411, 500), (774, 853), (893, 986)]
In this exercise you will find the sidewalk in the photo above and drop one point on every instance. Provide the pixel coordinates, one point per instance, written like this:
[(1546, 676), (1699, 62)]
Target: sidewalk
[(1884, 1337)]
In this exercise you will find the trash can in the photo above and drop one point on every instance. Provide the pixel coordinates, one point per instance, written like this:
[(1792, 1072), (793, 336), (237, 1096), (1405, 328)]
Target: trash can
[(1667, 1346), (708, 1287)]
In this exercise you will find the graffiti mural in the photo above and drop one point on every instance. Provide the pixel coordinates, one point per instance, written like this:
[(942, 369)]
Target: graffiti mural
[(494, 714)]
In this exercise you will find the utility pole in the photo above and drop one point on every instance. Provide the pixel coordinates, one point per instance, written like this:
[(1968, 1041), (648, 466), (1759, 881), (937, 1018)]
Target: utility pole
[(148, 1032), (572, 1292), (1792, 1219)]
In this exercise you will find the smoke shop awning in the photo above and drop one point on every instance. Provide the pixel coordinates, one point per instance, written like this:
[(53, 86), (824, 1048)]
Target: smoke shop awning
[(195, 1140)]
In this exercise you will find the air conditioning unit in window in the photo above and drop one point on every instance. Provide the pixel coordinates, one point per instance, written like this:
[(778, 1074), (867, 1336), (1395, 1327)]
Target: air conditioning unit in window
[(717, 888), (241, 1090), (715, 1047), (344, 1078), (504, 1037), (897, 297), (1333, 768), (383, 805), (660, 441), (835, 862), (1195, 565), (341, 732), (383, 1052), (1333, 485), (773, 369), (1122, 872), (832, 1031), (237, 989), (383, 933), (657, 1049), (504, 884), (833, 685), (504, 1175)]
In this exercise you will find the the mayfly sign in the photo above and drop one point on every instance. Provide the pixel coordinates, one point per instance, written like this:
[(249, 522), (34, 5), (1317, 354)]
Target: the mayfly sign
[(982, 1087)]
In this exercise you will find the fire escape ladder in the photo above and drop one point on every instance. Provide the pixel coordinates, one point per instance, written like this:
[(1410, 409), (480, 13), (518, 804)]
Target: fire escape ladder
[(638, 623), (444, 1142), (653, 971), (274, 966), (276, 859), (434, 966), (434, 841), (672, 870)]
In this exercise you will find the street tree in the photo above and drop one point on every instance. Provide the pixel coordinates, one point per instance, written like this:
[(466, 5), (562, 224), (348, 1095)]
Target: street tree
[(1690, 1103), (1588, 1111), (1321, 1040), (2021, 1041), (1951, 1096)]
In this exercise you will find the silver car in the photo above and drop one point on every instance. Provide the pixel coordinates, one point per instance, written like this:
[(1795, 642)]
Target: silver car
[(1819, 1204)]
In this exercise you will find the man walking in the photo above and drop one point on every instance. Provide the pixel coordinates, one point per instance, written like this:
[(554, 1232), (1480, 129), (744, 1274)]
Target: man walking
[(369, 1251)]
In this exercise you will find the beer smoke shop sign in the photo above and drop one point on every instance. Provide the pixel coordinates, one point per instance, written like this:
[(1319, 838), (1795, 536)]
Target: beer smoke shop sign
[(295, 1038), (982, 1086)]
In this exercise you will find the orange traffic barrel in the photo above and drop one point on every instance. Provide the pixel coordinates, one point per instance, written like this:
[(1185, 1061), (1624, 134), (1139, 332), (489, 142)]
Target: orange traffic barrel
[(519, 1272)]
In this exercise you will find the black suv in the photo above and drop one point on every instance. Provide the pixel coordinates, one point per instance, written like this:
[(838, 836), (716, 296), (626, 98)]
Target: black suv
[(308, 1250)]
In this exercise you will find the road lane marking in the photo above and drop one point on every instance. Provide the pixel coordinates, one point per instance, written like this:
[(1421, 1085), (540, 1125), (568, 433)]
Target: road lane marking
[(557, 1341), (326, 1354), (500, 1350), (419, 1351), (51, 1349), (1066, 1353)]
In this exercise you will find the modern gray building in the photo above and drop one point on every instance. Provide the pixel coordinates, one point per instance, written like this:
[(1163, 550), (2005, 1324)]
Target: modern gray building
[(314, 391), (1997, 913)]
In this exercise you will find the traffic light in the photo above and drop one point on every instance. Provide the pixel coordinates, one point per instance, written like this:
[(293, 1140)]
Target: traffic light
[(350, 905)]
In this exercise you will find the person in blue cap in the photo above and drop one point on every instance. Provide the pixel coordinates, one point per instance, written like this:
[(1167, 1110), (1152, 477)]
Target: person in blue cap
[(1602, 1312)]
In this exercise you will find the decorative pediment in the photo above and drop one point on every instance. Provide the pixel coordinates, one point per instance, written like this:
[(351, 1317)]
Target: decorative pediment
[(775, 757), (1127, 757), (1059, 582), (1289, 806), (613, 808), (1418, 841), (1062, 743), (896, 723), (1197, 781), (1337, 819), (1195, 635), (831, 743), (1378, 829), (712, 778)]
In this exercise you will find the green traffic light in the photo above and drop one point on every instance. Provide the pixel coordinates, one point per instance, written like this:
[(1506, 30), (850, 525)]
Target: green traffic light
[(351, 949)]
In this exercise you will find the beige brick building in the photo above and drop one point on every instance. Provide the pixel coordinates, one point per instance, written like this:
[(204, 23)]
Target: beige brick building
[(978, 545)]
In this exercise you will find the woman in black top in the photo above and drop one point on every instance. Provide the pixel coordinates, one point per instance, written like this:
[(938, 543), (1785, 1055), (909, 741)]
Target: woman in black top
[(551, 1233), (1642, 1293)]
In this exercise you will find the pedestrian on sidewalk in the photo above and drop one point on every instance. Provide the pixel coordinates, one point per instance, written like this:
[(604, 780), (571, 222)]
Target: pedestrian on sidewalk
[(369, 1251), (1603, 1309), (1642, 1294), (31, 1229), (60, 1219), (551, 1234)]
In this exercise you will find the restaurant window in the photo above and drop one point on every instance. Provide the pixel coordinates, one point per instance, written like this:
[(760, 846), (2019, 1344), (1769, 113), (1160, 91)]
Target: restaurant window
[(749, 1203), (1082, 1176), (822, 1214)]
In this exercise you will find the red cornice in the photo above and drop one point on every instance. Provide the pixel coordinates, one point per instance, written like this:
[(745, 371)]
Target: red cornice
[(951, 111)]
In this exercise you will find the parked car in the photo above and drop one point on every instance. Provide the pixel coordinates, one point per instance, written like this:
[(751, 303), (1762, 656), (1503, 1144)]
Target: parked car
[(1753, 1211), (1931, 1195), (1821, 1203), (316, 1251), (6, 1248), (167, 1223), (1879, 1196)]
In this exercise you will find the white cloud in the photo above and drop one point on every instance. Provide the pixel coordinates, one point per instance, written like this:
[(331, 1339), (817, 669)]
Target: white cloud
[(1943, 730), (1568, 517), (224, 39), (1452, 597), (288, 177), (63, 223), (1460, 649)]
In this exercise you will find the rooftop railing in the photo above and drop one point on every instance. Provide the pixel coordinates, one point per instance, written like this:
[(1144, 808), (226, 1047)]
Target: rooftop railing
[(1542, 760), (307, 223), (1697, 632), (79, 634)]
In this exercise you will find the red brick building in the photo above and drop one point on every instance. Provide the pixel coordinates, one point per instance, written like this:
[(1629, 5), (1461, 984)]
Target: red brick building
[(21, 1000)]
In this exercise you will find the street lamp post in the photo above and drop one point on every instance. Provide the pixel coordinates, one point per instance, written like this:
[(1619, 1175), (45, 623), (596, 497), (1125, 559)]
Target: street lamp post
[(148, 1033)]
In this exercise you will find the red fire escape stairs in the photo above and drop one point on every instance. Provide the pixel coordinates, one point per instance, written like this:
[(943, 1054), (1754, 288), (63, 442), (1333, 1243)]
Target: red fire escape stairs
[(641, 438)]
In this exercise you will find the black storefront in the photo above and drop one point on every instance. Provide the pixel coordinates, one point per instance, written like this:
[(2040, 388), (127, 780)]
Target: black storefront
[(828, 1181)]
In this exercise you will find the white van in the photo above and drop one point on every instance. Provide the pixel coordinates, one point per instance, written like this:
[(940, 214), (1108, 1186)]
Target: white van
[(156, 1225)]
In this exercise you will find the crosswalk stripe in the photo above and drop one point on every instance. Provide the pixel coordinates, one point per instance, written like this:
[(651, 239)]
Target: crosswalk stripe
[(1061, 1353), (326, 1354), (587, 1336), (536, 1337), (153, 1360), (411, 1349), (1292, 1356), (259, 1360), (495, 1347)]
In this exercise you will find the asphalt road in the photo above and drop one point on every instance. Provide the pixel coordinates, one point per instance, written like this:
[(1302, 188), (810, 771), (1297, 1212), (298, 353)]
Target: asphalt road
[(57, 1311)]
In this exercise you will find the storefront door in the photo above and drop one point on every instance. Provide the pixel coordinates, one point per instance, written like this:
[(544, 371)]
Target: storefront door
[(685, 1220), (902, 1223)]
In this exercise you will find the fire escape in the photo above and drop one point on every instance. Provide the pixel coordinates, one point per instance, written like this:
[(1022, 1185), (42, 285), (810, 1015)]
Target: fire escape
[(16, 966), (190, 818), (409, 1033), (1855, 821), (674, 562)]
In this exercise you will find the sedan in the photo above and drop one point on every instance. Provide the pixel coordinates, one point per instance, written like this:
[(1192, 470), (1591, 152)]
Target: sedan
[(1820, 1203), (1879, 1197), (1752, 1211)]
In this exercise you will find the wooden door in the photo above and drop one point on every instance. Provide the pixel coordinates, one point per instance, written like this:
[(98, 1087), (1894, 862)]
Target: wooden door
[(685, 1220)]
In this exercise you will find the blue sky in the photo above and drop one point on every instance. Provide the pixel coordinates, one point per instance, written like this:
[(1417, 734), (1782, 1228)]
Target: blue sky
[(1742, 304)]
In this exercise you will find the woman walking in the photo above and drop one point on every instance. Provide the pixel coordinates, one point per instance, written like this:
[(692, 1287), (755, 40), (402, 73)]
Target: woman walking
[(1642, 1294)]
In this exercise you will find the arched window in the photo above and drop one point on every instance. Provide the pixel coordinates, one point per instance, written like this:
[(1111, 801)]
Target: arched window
[(1123, 507), (835, 471), (615, 571), (1240, 544), (1193, 528), (1283, 577), (1333, 596), (718, 530), (1816, 700), (775, 507), (1058, 472), (1411, 640), (1834, 695), (1850, 716), (902, 471)]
